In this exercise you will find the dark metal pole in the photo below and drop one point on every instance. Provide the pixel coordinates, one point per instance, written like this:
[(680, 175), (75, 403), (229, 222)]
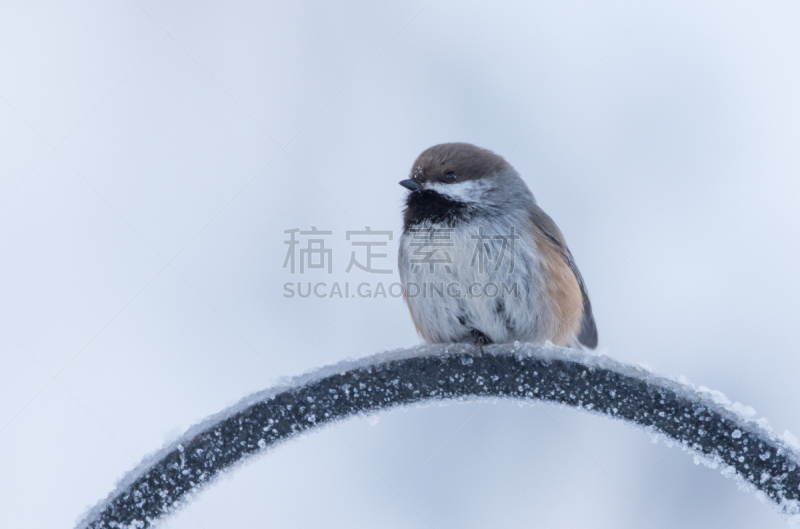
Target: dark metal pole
[(760, 460)]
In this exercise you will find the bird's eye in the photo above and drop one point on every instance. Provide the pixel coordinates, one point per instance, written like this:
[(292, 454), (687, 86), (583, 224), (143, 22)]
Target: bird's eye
[(450, 177)]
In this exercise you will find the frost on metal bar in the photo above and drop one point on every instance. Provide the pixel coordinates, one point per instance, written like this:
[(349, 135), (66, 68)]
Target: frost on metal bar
[(701, 421)]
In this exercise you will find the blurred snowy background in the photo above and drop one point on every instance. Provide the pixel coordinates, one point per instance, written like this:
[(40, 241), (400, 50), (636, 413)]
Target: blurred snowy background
[(153, 153)]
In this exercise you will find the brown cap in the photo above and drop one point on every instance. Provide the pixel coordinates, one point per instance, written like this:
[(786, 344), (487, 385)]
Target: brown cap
[(467, 161)]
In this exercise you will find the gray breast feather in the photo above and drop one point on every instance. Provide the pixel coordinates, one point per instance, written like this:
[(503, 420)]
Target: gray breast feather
[(523, 316)]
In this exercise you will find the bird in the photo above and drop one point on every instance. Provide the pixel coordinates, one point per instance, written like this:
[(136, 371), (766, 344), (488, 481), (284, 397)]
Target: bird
[(480, 262)]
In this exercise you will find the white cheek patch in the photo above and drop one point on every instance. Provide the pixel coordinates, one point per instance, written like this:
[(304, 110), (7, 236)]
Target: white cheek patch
[(469, 191)]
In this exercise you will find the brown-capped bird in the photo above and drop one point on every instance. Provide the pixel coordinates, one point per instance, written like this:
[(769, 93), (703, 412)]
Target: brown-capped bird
[(481, 262)]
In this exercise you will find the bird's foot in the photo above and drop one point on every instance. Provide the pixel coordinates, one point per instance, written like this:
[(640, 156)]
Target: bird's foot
[(479, 339)]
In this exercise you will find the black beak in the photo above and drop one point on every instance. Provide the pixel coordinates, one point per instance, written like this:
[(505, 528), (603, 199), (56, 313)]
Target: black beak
[(411, 185)]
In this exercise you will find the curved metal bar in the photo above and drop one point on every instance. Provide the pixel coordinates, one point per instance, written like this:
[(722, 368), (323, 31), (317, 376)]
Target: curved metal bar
[(709, 428)]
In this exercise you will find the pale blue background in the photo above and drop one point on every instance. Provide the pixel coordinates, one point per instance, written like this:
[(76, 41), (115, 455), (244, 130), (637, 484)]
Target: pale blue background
[(152, 154)]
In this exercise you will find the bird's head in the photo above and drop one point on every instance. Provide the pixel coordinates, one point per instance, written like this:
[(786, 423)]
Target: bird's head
[(451, 179)]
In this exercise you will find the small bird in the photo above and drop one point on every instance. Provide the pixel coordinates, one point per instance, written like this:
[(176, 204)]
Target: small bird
[(481, 262)]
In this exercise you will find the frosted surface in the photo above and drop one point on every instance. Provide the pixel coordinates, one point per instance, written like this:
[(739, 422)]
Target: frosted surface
[(700, 420)]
